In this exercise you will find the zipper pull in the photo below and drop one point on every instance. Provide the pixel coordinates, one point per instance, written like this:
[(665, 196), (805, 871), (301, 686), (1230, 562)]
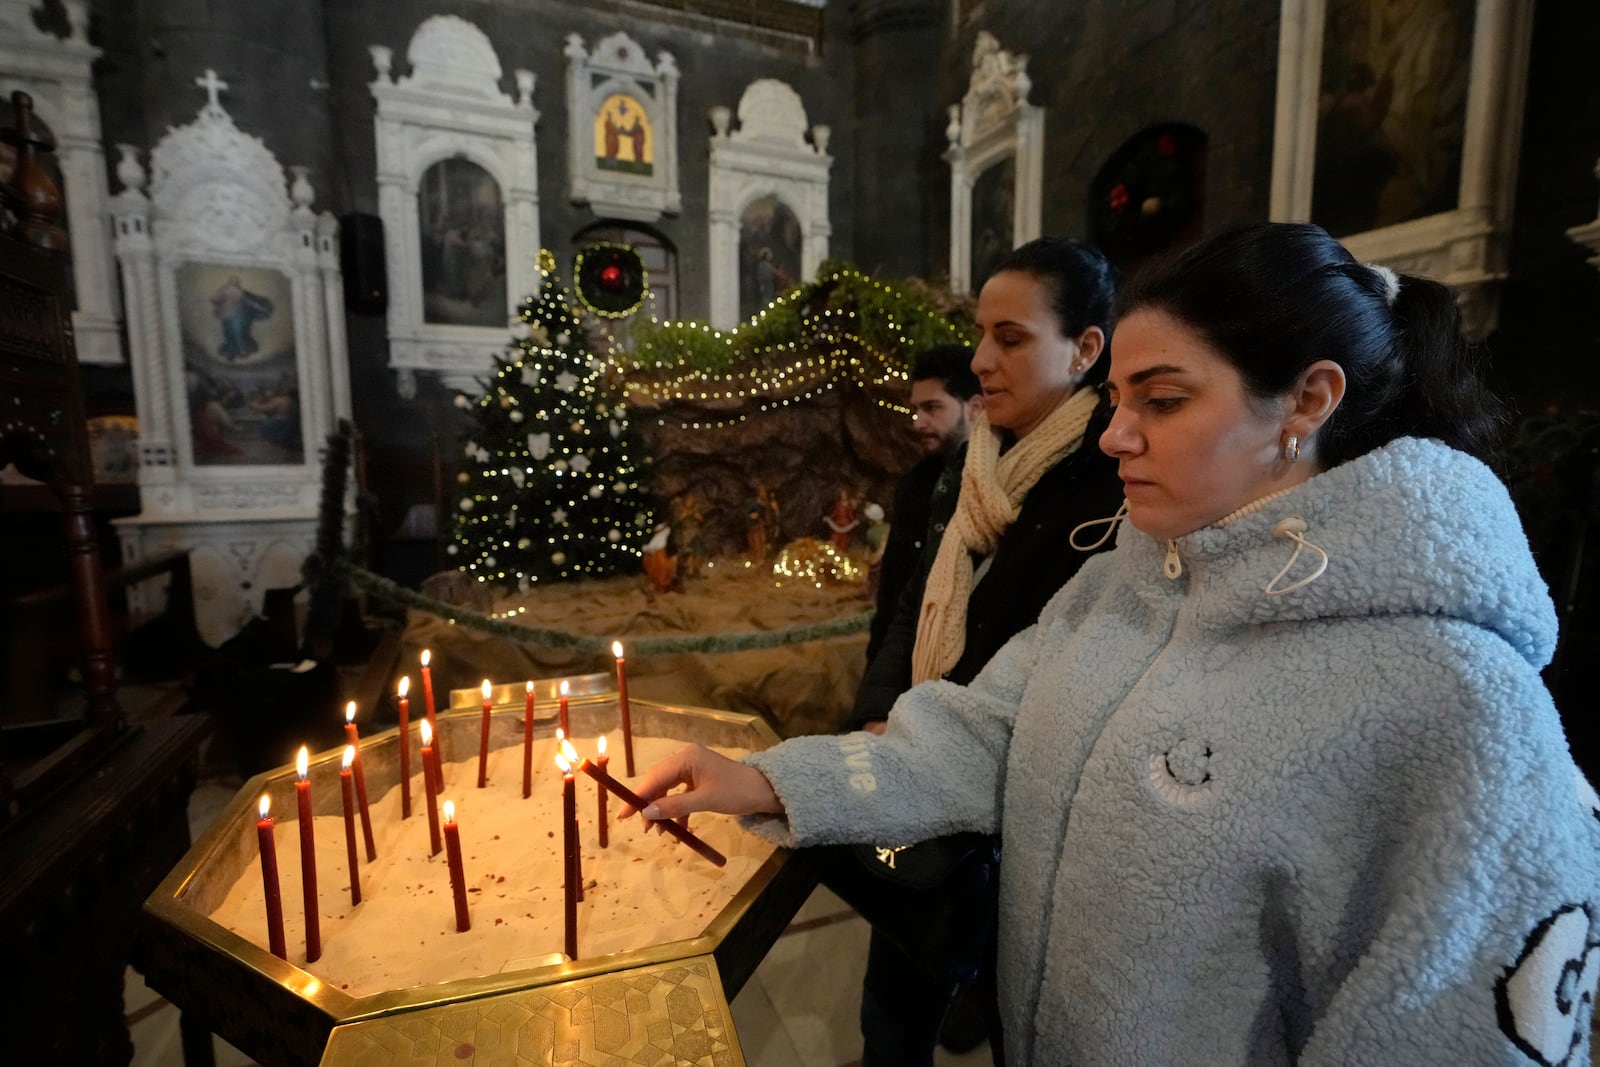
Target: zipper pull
[(1173, 566)]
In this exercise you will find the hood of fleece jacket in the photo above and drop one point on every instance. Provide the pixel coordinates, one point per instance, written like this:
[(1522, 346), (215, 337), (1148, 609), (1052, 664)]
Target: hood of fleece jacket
[(1412, 528)]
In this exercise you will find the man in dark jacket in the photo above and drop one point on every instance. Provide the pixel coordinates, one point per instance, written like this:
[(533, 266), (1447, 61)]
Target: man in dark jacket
[(945, 398)]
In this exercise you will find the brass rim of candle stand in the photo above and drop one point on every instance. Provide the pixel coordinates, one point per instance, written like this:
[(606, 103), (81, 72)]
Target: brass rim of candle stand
[(167, 904)]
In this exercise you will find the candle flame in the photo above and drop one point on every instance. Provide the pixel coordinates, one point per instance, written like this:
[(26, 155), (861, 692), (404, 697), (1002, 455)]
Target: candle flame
[(349, 756), (560, 733), (426, 655), (569, 752), (426, 730), (488, 690), (405, 685), (266, 805), (616, 649), (449, 811), (530, 687), (302, 761), (563, 687), (566, 768), (350, 712), (602, 745)]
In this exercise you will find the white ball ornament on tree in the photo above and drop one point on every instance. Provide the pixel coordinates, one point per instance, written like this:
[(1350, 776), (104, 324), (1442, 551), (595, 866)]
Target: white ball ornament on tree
[(466, 503), (613, 535), (516, 416), (462, 402), (596, 491), (558, 558)]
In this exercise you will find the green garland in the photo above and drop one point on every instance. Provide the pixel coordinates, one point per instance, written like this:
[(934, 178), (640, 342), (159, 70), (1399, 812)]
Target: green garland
[(383, 588), (842, 300)]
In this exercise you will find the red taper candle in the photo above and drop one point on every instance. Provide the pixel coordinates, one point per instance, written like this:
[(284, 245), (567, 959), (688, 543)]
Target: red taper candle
[(405, 747), (345, 791), (308, 856), (269, 880), (566, 728), (458, 878), (483, 735), (427, 690), (354, 740), (569, 810), (622, 705), (638, 803), (600, 792), (527, 745), (431, 784)]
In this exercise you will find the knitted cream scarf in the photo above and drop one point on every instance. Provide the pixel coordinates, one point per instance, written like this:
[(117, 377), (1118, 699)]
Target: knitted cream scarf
[(992, 490)]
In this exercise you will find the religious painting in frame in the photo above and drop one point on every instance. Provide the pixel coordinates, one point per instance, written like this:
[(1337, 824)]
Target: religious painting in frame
[(769, 253), (623, 137), (241, 378), (1391, 112), (1398, 128), (462, 224), (993, 208)]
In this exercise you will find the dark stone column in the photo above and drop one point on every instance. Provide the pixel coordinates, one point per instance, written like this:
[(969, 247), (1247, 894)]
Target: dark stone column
[(901, 182)]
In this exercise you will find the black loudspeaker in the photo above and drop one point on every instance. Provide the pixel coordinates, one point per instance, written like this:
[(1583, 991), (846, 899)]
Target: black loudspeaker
[(366, 274)]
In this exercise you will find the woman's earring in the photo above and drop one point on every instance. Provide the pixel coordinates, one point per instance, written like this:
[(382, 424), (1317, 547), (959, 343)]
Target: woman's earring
[(1291, 448)]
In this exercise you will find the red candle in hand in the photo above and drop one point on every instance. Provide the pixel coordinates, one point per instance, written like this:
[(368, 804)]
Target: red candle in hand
[(269, 880), (638, 803), (527, 745), (605, 815), (622, 704), (350, 823), (483, 736), (458, 879), (432, 785), (566, 728), (405, 748), (361, 780), (569, 810), (308, 857)]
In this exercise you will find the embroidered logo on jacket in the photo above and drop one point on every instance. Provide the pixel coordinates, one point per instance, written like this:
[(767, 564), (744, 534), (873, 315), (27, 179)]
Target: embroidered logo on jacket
[(859, 760), (1545, 1001)]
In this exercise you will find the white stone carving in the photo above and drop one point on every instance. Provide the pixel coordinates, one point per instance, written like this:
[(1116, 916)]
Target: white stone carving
[(619, 65), (1588, 235), (219, 203), (56, 73), (992, 123), (1465, 248), (450, 107), (766, 155)]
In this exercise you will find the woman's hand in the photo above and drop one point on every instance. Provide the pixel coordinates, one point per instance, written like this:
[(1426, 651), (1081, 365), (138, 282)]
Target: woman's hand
[(716, 783)]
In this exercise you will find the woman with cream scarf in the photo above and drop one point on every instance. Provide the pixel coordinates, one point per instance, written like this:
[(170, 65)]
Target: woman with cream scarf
[(1027, 480)]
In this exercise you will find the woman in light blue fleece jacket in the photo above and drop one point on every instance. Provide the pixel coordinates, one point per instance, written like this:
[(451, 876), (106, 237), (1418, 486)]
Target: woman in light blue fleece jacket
[(1277, 777)]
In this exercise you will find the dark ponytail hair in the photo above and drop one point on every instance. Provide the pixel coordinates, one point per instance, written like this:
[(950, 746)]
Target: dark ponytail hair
[(1274, 298), (1082, 284)]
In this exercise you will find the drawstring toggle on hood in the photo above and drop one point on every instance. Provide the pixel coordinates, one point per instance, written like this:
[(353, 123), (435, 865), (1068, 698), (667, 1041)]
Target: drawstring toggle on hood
[(1293, 528)]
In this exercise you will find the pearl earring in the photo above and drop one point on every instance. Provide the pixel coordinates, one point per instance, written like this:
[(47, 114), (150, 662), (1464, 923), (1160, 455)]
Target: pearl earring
[(1291, 448)]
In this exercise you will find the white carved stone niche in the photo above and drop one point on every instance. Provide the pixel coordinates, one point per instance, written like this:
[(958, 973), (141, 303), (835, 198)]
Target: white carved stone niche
[(992, 126), (761, 168), (622, 140), (458, 192), (56, 73), (237, 343), (1465, 247)]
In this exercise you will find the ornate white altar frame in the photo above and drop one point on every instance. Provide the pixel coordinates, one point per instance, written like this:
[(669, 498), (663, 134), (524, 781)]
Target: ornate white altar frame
[(992, 123), (56, 73), (451, 106), (1465, 248), (766, 155), (219, 199), (619, 65)]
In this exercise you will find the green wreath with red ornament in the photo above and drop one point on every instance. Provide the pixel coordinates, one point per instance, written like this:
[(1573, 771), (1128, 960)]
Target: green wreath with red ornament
[(1149, 192), (612, 281)]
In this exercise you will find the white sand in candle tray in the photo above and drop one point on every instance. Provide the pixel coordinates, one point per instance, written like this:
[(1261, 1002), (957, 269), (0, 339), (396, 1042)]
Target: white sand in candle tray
[(643, 890)]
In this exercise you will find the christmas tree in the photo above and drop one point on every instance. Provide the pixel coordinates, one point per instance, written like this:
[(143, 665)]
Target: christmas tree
[(552, 487)]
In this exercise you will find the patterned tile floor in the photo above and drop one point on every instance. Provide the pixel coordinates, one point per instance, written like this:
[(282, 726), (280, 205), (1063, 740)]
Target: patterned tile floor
[(784, 1016)]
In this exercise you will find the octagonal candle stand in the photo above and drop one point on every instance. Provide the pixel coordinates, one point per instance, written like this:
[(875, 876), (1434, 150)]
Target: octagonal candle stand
[(282, 1013)]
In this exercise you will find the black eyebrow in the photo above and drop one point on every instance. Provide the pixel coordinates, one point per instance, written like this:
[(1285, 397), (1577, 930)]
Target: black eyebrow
[(1150, 372)]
